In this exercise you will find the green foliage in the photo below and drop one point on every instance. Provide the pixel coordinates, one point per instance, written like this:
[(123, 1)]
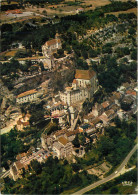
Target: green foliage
[(36, 116), (51, 127), (134, 55), (76, 167), (76, 142), (9, 67), (87, 106), (132, 31), (114, 190), (118, 6), (127, 16), (53, 178), (126, 106), (104, 146), (111, 18), (107, 48), (38, 2), (36, 166), (23, 54), (123, 136), (80, 64), (9, 151), (82, 139), (59, 54), (122, 51), (112, 185), (6, 28)]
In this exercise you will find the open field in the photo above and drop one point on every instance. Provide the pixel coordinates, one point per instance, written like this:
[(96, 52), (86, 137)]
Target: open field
[(133, 10), (62, 9)]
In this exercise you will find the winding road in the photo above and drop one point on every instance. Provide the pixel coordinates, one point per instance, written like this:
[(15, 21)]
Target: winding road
[(110, 177)]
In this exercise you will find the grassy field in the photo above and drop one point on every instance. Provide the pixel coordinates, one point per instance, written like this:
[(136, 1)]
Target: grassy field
[(62, 9), (133, 10)]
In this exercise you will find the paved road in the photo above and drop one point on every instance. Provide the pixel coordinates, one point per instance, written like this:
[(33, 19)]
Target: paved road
[(110, 177)]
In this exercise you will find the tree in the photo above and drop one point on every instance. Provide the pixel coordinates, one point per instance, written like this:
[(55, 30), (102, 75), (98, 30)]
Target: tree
[(44, 12), (75, 167), (35, 165), (107, 48), (36, 116), (104, 146), (126, 106), (132, 31), (82, 139), (114, 190), (42, 66), (6, 28), (76, 141), (84, 54), (134, 55), (9, 1)]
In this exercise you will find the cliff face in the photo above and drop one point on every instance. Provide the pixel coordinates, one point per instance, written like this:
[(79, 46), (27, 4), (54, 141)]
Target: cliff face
[(30, 82), (8, 109), (6, 96)]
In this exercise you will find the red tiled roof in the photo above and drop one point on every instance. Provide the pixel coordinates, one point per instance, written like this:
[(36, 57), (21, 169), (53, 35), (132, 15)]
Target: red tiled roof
[(109, 112), (75, 81), (19, 165), (18, 157), (60, 132), (117, 95), (84, 74), (33, 91), (26, 123), (131, 92), (105, 104), (63, 140), (70, 133), (53, 42)]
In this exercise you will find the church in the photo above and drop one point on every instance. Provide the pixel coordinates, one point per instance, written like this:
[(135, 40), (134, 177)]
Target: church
[(83, 86), (51, 46)]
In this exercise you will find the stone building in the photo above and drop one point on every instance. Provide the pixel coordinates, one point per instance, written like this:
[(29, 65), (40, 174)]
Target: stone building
[(23, 122), (84, 86), (27, 96), (63, 147), (48, 61), (51, 46), (16, 169)]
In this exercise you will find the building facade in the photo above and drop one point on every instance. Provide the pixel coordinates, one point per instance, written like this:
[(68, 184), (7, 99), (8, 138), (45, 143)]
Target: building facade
[(48, 61), (51, 46), (27, 96), (84, 86)]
